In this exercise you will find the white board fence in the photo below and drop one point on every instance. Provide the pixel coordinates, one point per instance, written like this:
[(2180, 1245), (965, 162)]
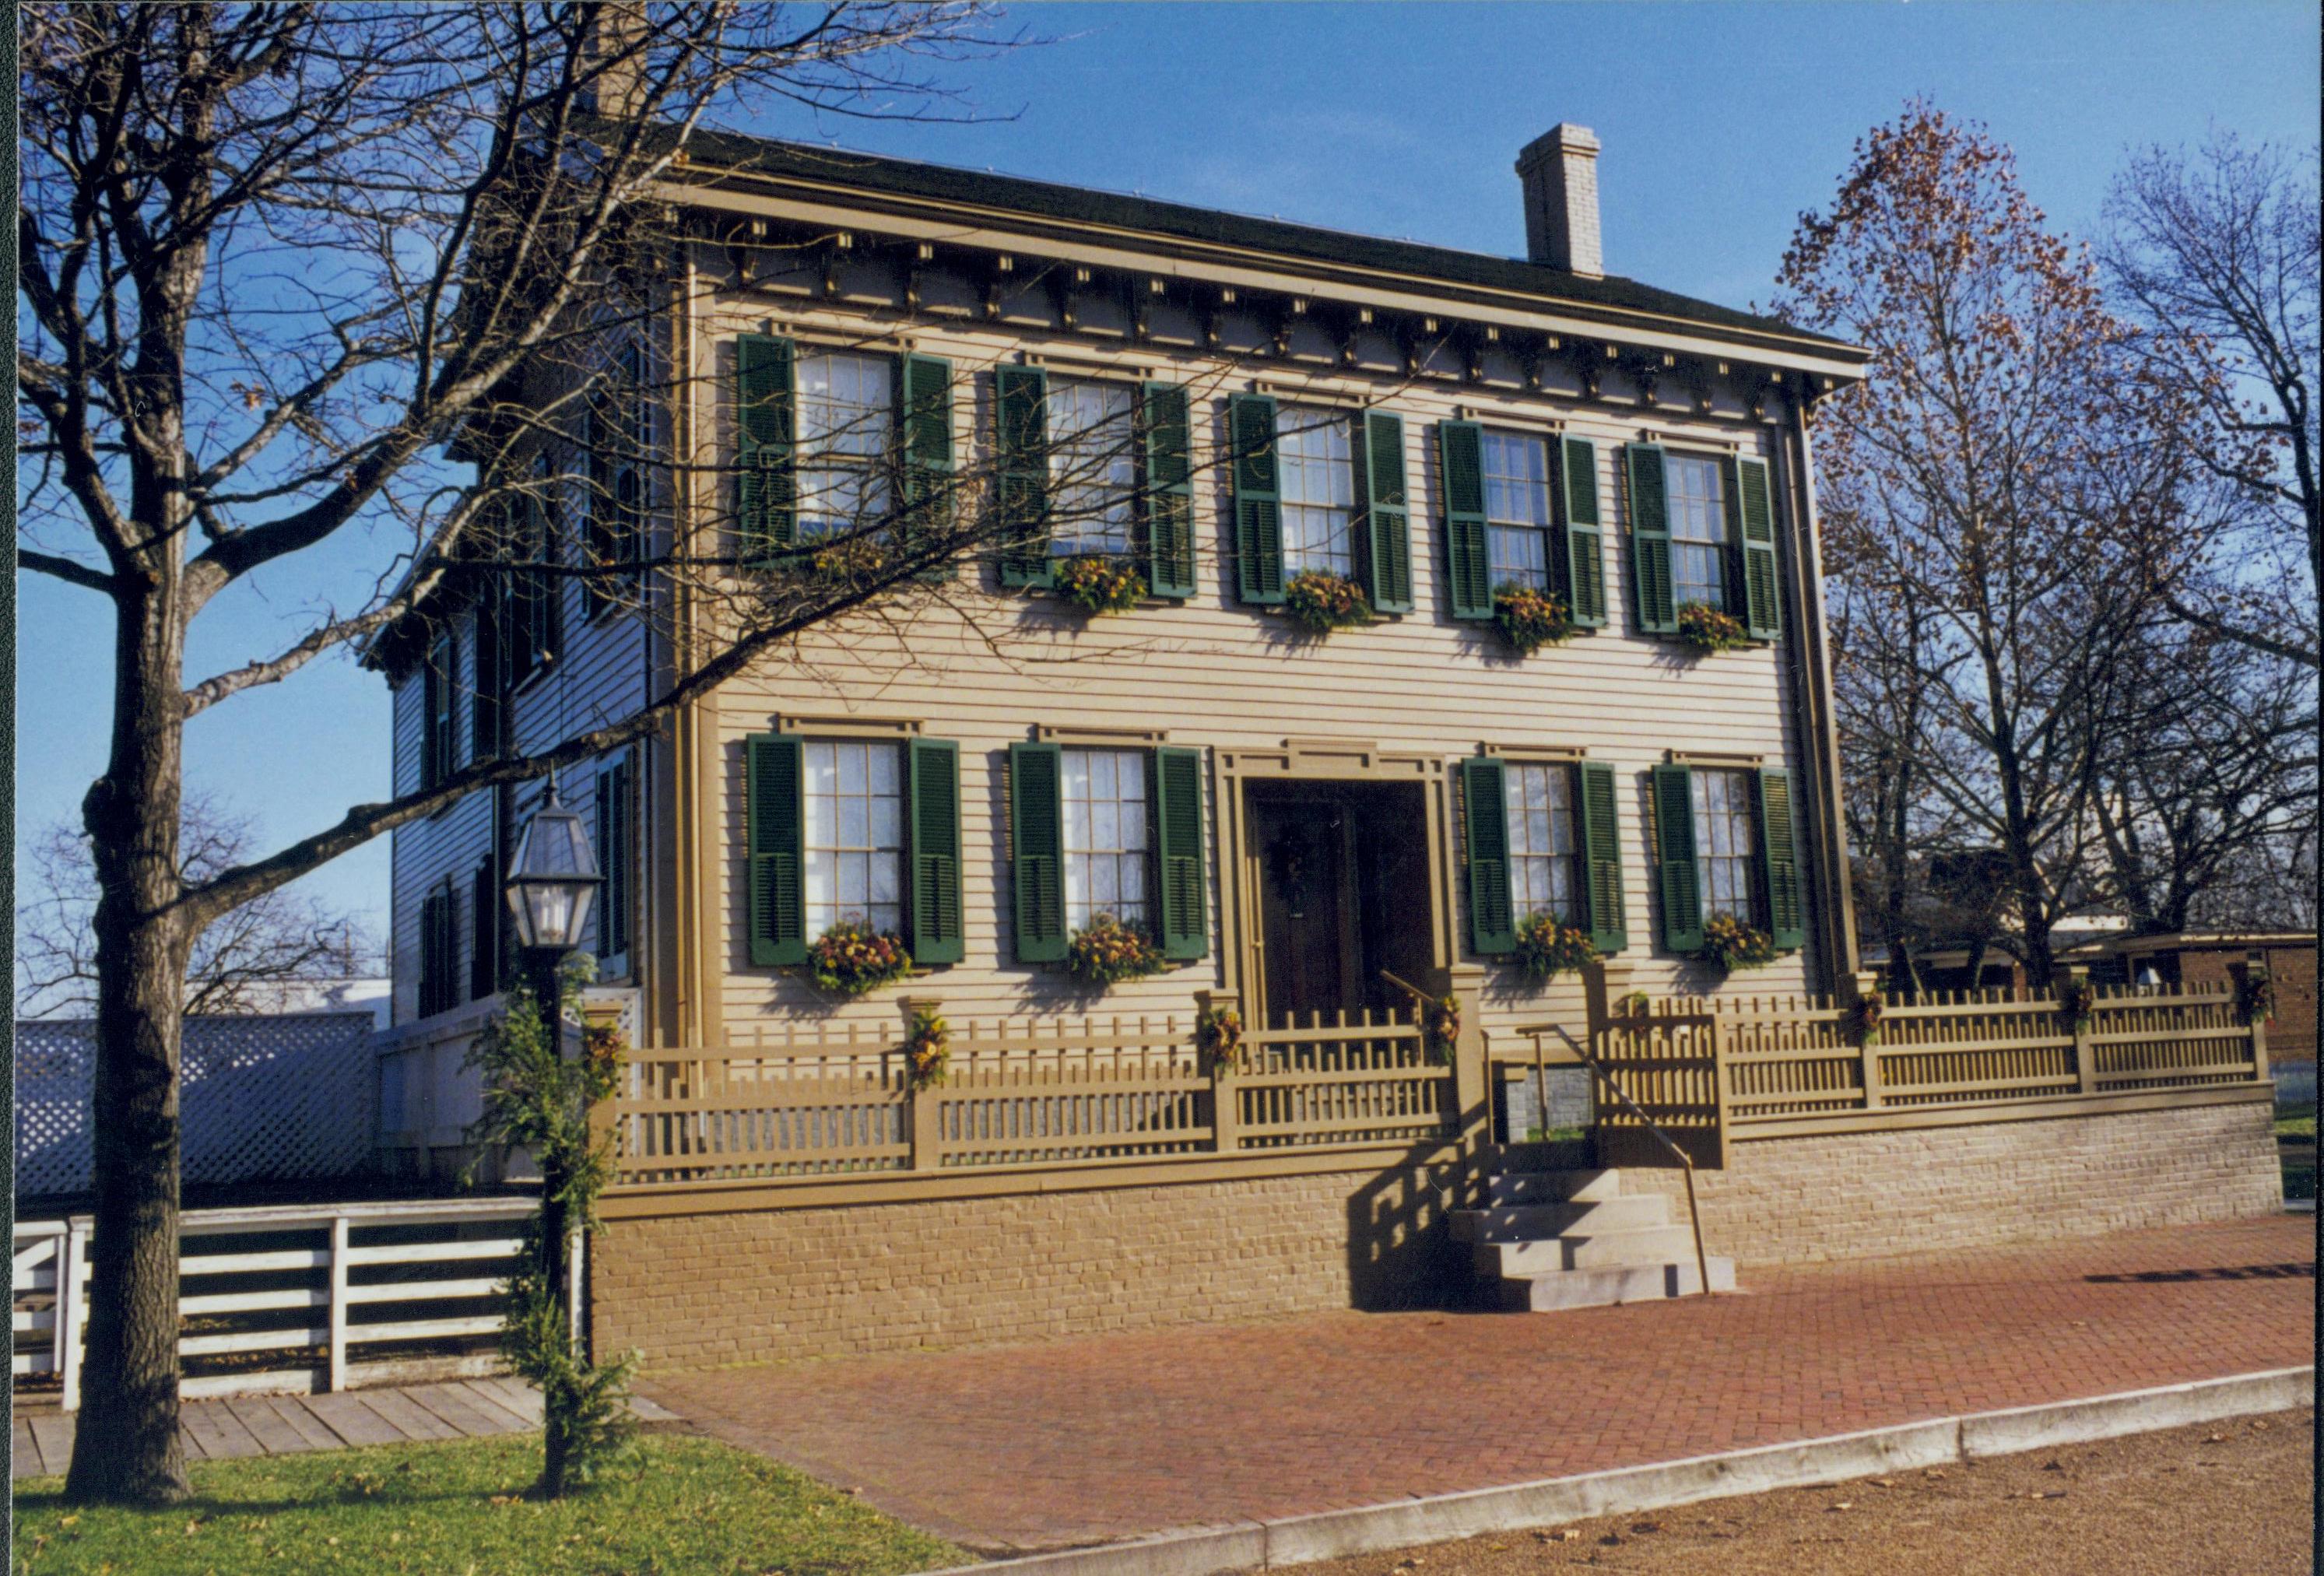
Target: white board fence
[(293, 1295), (264, 1097)]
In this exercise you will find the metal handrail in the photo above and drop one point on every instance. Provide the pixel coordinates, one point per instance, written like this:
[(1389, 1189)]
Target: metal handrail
[(1694, 1215)]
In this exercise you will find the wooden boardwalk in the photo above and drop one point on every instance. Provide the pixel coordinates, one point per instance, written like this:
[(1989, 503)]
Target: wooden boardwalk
[(275, 1425)]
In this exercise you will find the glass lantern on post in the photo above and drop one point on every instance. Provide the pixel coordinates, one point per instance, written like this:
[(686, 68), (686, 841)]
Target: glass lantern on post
[(551, 882)]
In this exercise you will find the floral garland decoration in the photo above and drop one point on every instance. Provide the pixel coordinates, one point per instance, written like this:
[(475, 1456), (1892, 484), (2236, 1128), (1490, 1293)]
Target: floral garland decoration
[(1636, 1004), (1546, 949), (1322, 602), (926, 1049), (1439, 1018), (1218, 1035), (2255, 997), (1707, 629), (1867, 1013), (851, 958), (2078, 1000), (1733, 944), (1107, 952), (1528, 619), (1099, 586)]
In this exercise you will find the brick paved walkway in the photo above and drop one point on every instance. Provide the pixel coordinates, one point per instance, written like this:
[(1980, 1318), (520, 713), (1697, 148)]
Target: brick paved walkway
[(1108, 1437)]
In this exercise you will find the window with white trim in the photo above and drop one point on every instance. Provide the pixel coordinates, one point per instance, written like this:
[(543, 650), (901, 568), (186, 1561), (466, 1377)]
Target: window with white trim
[(1698, 529), (1092, 468), (854, 833), (1106, 833), (1726, 841), (846, 413), (1316, 472), (1516, 509), (1544, 875)]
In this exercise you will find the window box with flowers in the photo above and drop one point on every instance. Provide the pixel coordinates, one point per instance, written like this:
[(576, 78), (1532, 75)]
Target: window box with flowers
[(851, 959), (1734, 946), (1704, 629), (1529, 618), (1098, 585), (1320, 602), (1546, 948), (1106, 952)]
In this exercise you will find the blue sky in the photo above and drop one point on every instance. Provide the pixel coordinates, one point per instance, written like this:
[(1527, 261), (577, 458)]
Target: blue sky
[(1720, 123)]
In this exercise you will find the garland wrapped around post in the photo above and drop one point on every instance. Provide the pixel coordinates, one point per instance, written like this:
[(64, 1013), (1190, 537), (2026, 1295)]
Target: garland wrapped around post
[(537, 1098), (1218, 1035)]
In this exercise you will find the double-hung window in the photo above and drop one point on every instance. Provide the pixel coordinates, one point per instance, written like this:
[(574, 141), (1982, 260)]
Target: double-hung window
[(1106, 836), (853, 834), (1726, 813), (617, 837), (1516, 509), (439, 950), (1544, 875), (1318, 482), (439, 678), (1698, 530), (620, 432), (1092, 468), (847, 415)]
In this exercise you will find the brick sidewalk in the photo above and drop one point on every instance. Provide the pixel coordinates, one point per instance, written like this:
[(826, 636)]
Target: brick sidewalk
[(1108, 1437)]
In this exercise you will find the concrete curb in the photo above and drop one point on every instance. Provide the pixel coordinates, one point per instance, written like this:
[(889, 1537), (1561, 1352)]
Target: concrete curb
[(1297, 1540)]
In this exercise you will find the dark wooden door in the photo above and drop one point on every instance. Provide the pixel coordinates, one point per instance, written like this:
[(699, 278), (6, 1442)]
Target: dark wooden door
[(1308, 910)]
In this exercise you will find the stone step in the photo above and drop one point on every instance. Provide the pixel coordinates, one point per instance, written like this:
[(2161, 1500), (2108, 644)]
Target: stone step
[(1598, 1251), (1551, 1187), (1531, 1222), (1593, 1288)]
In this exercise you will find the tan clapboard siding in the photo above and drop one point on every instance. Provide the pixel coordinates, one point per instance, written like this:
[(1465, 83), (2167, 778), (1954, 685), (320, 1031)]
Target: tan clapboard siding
[(1216, 674)]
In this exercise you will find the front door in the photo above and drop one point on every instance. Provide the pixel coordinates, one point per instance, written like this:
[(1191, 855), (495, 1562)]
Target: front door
[(1343, 895)]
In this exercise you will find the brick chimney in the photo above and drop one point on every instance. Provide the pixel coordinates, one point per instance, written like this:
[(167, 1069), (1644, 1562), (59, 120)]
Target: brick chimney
[(1559, 172), (614, 49)]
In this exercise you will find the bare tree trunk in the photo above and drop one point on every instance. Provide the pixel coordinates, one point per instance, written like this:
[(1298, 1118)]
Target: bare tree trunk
[(126, 1445)]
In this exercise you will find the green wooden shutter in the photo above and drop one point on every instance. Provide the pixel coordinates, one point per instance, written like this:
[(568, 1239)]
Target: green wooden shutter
[(1779, 860), (1492, 927), (923, 421), (1682, 881), (1021, 441), (1650, 549), (1169, 493), (766, 440), (932, 822), (775, 809), (487, 708), (1468, 564), (1386, 534), (1037, 851), (1601, 857), (1257, 502), (598, 526), (1585, 539), (1753, 516), (1178, 852)]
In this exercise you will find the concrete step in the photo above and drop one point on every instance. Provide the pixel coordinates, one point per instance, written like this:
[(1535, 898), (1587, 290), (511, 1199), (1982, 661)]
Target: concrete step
[(1593, 1288), (1552, 1187), (1529, 1222), (1600, 1251)]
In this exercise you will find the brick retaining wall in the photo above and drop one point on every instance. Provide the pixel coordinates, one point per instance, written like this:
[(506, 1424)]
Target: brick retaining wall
[(1787, 1200), (750, 1286)]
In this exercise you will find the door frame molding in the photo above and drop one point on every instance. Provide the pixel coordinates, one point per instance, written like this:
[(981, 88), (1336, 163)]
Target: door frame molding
[(1316, 761)]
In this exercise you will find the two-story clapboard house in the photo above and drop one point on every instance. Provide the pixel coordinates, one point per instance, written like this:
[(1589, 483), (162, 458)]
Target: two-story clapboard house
[(1315, 831)]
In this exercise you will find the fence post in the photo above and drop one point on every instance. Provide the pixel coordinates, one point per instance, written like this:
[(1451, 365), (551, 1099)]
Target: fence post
[(1472, 1096), (921, 1105), (2239, 975), (1226, 1104), (1855, 990), (2086, 1054), (72, 1307), (337, 1378)]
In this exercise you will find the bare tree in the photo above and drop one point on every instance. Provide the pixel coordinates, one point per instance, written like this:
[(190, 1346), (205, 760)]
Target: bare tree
[(236, 965), (2218, 255)]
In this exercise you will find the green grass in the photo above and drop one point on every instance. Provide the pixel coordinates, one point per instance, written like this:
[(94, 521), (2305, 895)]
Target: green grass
[(680, 1506), (2295, 1122)]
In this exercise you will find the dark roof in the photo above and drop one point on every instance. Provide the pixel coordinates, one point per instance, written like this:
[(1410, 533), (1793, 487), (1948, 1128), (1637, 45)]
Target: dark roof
[(1082, 205)]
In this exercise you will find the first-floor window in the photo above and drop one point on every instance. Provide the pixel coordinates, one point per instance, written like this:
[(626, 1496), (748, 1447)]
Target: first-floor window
[(1092, 468), (1541, 844), (1698, 530), (485, 907), (617, 858), (1516, 509), (1318, 481), (845, 410), (1725, 842), (439, 950), (1105, 820), (854, 834)]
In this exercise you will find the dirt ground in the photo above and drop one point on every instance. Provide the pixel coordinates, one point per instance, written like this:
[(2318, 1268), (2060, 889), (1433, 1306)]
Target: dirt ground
[(2235, 1497)]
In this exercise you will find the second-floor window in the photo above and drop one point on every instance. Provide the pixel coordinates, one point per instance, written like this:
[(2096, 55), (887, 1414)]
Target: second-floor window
[(1318, 482), (847, 409), (1544, 854), (1105, 825), (1698, 529), (439, 678), (1516, 509), (618, 437), (853, 834), (1092, 468), (1726, 814)]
